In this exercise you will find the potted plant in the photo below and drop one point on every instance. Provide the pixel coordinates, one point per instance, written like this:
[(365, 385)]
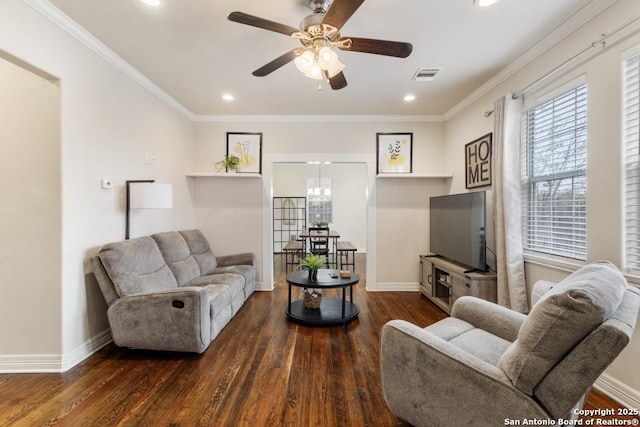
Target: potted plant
[(312, 263), (229, 163)]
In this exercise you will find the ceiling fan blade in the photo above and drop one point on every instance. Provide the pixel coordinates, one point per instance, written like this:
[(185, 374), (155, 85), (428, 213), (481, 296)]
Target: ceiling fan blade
[(275, 64), (338, 81), (379, 47), (340, 11), (254, 21)]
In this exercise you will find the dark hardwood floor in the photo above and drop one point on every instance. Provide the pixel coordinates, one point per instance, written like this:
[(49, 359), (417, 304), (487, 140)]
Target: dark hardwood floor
[(262, 370)]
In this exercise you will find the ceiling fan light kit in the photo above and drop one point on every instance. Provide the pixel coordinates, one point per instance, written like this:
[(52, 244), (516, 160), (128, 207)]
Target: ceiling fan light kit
[(319, 33)]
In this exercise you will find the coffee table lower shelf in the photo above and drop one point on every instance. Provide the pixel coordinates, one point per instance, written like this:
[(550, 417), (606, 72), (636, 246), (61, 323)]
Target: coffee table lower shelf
[(329, 313)]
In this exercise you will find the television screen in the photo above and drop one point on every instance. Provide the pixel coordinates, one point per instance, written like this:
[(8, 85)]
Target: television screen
[(457, 228)]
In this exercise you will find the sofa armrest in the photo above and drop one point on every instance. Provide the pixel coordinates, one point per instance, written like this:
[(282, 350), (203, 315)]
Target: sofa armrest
[(247, 258), (493, 318), (426, 379), (170, 320)]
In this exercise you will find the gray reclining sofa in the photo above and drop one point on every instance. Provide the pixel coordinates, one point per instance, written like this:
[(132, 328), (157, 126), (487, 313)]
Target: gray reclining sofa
[(169, 291)]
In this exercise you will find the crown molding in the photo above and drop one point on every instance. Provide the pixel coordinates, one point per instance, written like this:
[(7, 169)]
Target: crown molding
[(316, 118), (67, 24), (579, 19), (63, 21)]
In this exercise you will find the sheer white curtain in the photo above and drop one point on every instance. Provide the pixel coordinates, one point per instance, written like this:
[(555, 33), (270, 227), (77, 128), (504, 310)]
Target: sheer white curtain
[(512, 288)]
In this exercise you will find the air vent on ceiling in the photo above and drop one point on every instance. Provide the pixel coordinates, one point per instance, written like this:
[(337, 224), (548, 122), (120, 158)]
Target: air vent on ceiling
[(425, 74)]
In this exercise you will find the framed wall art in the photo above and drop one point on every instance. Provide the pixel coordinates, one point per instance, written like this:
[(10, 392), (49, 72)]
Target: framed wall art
[(394, 152), (248, 148), (477, 155)]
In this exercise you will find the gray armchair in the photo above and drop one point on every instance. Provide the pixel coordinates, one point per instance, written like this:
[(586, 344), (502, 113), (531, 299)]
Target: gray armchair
[(487, 364)]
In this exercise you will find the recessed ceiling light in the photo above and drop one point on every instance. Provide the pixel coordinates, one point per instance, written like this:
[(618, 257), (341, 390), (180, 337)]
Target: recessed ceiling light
[(152, 2), (409, 97), (484, 3), (228, 97)]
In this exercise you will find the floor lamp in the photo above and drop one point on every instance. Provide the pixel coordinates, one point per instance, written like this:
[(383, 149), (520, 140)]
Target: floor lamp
[(147, 194)]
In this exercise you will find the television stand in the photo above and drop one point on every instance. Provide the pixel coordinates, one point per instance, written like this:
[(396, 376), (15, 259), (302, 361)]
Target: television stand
[(444, 281)]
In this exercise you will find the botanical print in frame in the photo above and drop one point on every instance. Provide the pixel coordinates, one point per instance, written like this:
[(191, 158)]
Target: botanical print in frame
[(477, 164), (395, 152), (248, 147)]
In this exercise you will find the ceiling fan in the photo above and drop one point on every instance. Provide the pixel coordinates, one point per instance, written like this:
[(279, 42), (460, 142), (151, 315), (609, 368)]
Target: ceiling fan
[(319, 33)]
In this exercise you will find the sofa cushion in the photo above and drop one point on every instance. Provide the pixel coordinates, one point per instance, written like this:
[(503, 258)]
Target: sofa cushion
[(220, 297), (449, 328), (475, 341), (234, 282), (246, 271), (177, 255), (200, 250), (560, 320), (136, 266)]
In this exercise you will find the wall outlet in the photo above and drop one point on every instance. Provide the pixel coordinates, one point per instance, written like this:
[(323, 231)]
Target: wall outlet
[(106, 184), (149, 159)]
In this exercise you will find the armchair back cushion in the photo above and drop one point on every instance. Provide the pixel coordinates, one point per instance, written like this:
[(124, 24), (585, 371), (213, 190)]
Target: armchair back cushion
[(136, 266), (200, 250), (561, 320), (176, 252), (575, 374)]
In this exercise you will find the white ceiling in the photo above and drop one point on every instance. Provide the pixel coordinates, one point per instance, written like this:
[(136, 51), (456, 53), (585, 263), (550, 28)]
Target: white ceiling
[(191, 51)]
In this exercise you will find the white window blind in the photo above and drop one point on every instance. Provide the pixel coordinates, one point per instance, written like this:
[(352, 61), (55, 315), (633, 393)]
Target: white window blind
[(631, 127), (554, 175)]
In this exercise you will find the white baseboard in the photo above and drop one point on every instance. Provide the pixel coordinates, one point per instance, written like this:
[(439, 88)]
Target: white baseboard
[(396, 286), (71, 359), (48, 363), (621, 393), (30, 363), (262, 286)]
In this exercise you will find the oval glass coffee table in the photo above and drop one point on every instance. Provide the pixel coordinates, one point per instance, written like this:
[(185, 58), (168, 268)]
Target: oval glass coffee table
[(332, 311)]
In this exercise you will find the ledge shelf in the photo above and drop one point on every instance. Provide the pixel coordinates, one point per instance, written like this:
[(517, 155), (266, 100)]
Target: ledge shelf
[(414, 175), (222, 175)]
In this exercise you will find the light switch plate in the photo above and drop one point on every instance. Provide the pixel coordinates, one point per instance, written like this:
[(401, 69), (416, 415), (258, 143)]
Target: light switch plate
[(106, 184)]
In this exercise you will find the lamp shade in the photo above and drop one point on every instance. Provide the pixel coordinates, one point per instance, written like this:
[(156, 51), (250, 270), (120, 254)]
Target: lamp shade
[(327, 58), (304, 61), (150, 195)]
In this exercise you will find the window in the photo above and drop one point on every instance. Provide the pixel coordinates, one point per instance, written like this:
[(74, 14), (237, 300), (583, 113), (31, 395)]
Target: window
[(320, 207), (554, 175), (631, 154)]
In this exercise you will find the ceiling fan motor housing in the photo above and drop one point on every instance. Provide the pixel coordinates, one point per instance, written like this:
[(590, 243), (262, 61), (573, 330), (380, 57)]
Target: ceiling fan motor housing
[(320, 6), (318, 34)]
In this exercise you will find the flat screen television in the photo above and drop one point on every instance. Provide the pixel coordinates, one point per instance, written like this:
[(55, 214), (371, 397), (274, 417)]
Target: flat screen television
[(458, 228)]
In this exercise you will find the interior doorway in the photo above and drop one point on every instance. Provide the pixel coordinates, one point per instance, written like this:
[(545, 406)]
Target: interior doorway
[(355, 215), (347, 195)]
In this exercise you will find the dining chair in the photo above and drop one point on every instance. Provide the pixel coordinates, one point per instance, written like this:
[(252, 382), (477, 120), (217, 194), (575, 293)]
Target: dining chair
[(319, 241)]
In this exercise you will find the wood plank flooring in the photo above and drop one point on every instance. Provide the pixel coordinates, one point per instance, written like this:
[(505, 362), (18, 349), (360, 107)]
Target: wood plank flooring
[(262, 370)]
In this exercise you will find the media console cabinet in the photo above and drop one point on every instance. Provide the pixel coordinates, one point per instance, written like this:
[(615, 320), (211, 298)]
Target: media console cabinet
[(444, 281)]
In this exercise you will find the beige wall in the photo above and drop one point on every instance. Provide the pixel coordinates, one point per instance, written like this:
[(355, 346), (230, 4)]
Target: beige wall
[(604, 202), (31, 213)]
